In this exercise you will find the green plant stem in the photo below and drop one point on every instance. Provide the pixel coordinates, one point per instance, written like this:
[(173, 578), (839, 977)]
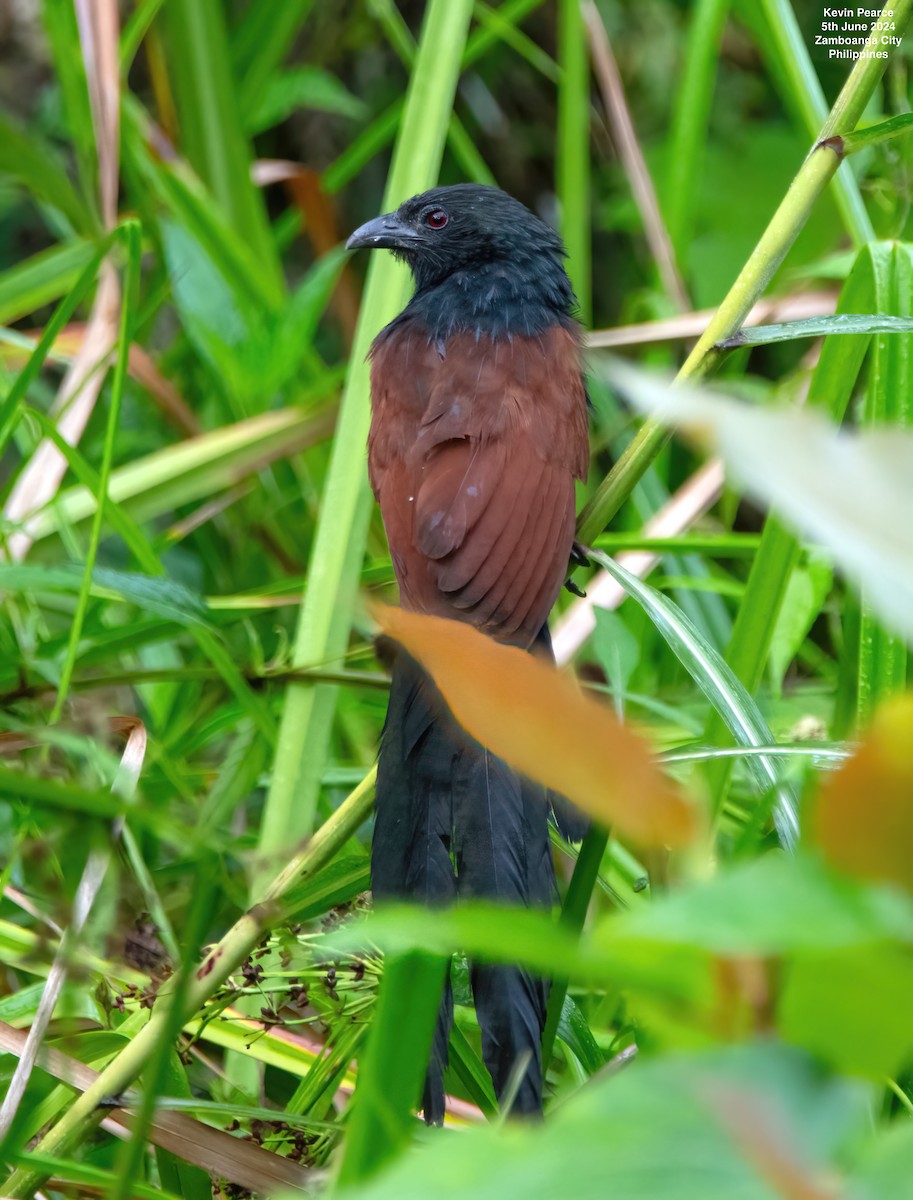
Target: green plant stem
[(11, 403), (814, 175), (132, 237), (573, 150), (691, 115), (220, 962), (573, 916), (335, 563)]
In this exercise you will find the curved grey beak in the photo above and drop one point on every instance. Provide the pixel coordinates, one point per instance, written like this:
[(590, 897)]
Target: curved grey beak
[(384, 233)]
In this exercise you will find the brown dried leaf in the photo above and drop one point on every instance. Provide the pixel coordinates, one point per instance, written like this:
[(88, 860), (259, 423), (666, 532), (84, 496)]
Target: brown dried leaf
[(539, 721), (863, 819)]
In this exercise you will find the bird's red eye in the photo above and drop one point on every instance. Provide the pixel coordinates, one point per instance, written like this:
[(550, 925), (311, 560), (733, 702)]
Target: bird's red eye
[(437, 219)]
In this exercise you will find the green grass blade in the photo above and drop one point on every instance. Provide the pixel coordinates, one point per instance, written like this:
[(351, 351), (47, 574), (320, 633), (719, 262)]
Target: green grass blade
[(172, 186), (135, 29), (874, 135), (573, 150), (573, 916), (70, 71), (882, 655), (195, 469), (342, 526), (846, 324), (29, 160), (262, 39), (211, 128), (381, 130), (44, 277), (391, 1072), (461, 145), (788, 48), (9, 406), (95, 1178), (722, 688), (132, 237), (691, 117)]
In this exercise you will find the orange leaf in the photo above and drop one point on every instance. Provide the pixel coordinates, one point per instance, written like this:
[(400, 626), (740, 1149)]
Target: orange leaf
[(539, 722), (863, 819)]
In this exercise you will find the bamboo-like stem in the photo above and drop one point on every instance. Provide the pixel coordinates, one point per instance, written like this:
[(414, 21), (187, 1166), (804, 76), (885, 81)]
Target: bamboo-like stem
[(814, 175), (208, 977)]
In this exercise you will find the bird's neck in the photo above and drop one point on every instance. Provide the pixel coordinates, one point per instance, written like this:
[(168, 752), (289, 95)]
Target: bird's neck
[(498, 299)]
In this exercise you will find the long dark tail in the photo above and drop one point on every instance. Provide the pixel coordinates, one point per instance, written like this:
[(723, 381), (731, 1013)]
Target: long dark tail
[(454, 820)]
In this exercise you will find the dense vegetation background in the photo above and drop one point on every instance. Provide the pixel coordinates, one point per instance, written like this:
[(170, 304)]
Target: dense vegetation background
[(189, 697)]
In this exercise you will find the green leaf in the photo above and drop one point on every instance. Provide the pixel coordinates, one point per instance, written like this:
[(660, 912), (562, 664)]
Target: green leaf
[(260, 41), (851, 1008), (773, 905), (302, 87), (95, 1178), (874, 135), (194, 469), (164, 597), (700, 1127), (841, 324), (882, 666), (70, 71), (884, 1167), (806, 592), (337, 883), (576, 1034), (617, 649), (44, 277)]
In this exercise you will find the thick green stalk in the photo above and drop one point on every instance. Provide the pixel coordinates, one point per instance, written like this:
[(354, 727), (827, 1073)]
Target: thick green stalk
[(335, 563), (814, 175), (573, 150), (221, 961)]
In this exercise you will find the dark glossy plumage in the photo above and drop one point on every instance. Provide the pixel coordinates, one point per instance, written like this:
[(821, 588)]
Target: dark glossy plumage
[(478, 432)]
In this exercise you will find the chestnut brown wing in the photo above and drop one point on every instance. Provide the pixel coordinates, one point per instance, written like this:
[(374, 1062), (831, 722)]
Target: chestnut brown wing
[(474, 466)]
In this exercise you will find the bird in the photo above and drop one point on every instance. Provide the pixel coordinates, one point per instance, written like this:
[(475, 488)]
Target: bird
[(479, 430)]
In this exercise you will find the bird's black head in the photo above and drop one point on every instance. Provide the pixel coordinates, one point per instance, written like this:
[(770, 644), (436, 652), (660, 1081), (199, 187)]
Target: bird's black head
[(480, 259)]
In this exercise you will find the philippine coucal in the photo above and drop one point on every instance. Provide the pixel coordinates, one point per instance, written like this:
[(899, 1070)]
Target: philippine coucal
[(478, 431)]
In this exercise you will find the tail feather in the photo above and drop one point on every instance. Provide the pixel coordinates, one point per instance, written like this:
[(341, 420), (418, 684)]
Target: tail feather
[(510, 1006), (453, 820), (433, 1093), (503, 853), (410, 851)]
